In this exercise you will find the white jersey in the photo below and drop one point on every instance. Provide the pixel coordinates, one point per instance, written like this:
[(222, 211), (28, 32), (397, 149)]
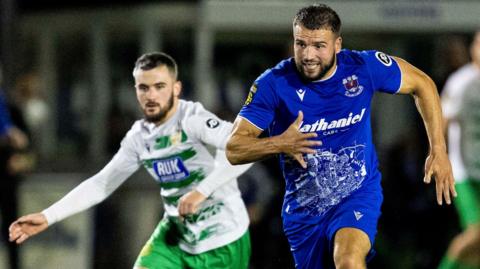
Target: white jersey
[(176, 156), (469, 120), (451, 104)]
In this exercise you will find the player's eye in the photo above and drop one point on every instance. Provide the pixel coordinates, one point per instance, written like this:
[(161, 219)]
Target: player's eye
[(300, 44)]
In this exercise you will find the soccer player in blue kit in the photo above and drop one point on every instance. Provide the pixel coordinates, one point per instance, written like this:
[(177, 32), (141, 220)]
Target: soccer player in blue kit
[(316, 110)]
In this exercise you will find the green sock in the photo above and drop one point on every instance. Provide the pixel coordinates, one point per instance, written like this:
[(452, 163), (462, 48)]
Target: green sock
[(449, 263)]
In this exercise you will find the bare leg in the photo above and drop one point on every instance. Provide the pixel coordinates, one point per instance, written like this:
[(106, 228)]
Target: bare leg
[(351, 248), (466, 246)]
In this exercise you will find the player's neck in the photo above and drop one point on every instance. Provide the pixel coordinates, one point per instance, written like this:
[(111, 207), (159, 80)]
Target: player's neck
[(476, 64), (329, 74)]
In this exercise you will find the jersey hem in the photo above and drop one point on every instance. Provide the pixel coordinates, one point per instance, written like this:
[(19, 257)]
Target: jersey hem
[(251, 123), (401, 76), (217, 242)]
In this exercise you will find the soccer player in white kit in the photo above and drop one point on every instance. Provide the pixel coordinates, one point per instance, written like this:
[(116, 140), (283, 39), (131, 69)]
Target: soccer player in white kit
[(464, 250), (205, 224)]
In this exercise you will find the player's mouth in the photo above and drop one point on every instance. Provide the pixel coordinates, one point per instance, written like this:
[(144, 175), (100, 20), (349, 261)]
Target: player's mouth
[(310, 66), (151, 105)]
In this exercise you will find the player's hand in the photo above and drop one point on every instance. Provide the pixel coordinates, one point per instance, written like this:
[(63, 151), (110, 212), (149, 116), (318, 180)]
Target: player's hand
[(18, 139), (438, 166), (190, 202), (295, 143), (26, 227)]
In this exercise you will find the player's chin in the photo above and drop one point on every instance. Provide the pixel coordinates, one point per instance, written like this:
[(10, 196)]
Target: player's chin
[(151, 111), (151, 116), (311, 75), (311, 71)]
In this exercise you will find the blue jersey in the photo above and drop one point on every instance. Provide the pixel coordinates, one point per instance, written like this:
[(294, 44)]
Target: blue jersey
[(338, 110)]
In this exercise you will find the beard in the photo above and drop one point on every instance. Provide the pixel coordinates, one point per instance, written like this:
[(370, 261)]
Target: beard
[(160, 115), (324, 68)]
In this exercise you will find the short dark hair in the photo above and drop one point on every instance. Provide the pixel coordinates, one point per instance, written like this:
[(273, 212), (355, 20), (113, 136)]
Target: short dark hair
[(318, 16), (152, 60)]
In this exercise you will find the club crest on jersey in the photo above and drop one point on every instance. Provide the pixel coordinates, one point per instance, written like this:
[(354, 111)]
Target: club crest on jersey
[(251, 93), (170, 140), (352, 86), (176, 138)]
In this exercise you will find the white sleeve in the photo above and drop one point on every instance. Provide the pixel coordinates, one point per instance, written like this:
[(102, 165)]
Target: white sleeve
[(208, 128), (95, 189), (221, 174)]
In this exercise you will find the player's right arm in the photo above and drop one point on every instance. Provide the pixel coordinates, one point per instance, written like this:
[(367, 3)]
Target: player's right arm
[(89, 193), (245, 146)]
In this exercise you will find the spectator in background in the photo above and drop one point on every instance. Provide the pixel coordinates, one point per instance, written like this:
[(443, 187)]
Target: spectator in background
[(9, 133), (464, 250), (27, 97), (14, 160), (14, 163)]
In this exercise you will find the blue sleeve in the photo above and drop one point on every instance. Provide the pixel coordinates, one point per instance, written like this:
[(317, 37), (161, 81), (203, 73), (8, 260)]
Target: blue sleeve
[(5, 122), (384, 71), (259, 108)]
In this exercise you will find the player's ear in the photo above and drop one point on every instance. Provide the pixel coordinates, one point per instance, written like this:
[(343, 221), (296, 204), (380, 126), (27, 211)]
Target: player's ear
[(338, 44), (177, 88)]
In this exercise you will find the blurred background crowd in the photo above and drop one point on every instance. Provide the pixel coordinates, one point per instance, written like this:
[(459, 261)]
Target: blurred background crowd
[(67, 81)]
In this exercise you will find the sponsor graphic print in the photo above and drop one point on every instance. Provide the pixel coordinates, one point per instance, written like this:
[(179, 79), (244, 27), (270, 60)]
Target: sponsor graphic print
[(212, 123), (251, 93), (333, 126), (170, 170), (329, 177)]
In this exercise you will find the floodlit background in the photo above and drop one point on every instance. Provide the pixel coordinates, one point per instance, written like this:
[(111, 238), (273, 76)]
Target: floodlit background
[(67, 65)]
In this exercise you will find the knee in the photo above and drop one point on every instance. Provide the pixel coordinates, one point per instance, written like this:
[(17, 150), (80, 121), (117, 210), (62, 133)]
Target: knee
[(348, 260), (475, 241), (471, 236), (467, 241), (350, 249)]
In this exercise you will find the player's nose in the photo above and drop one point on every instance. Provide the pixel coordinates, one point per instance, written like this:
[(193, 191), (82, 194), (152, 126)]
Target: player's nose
[(308, 53), (150, 93)]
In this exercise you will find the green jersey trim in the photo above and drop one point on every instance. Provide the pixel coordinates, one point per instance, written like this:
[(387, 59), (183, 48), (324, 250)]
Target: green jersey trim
[(194, 176), (169, 140)]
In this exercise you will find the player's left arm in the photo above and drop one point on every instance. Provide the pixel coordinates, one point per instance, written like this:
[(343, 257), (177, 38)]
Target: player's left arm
[(215, 132), (423, 89)]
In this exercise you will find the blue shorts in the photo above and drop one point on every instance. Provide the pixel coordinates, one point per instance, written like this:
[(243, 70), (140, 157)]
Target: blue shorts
[(311, 242)]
